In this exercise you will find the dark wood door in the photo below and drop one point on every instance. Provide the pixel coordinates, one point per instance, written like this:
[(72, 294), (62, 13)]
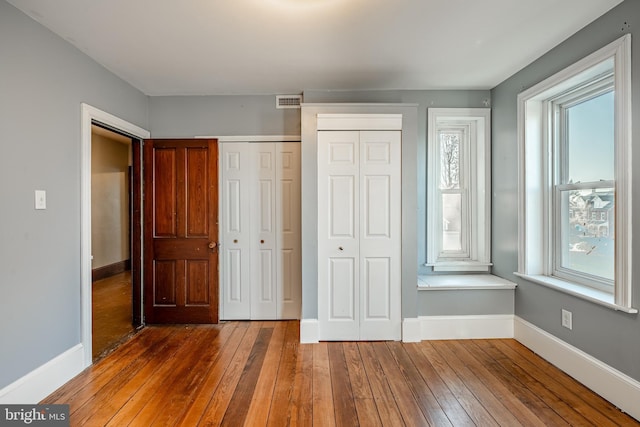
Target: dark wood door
[(181, 231)]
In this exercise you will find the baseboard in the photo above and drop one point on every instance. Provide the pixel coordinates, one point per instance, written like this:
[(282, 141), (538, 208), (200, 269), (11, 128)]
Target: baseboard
[(44, 380), (466, 327), (309, 333), (613, 385), (411, 330), (110, 270)]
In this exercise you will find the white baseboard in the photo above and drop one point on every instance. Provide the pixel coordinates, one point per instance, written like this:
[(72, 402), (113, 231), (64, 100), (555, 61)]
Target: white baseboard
[(613, 385), (309, 332), (411, 330), (44, 380), (466, 327)]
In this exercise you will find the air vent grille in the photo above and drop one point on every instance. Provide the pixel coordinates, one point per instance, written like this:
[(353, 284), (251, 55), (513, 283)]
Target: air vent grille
[(288, 101)]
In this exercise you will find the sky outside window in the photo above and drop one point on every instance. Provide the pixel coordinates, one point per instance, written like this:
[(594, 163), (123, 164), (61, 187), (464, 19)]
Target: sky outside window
[(591, 134)]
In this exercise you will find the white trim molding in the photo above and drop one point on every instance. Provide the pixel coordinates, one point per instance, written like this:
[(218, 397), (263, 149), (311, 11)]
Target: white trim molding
[(359, 121), (309, 332), (45, 379), (411, 330), (253, 138), (613, 385), (466, 327), (89, 115)]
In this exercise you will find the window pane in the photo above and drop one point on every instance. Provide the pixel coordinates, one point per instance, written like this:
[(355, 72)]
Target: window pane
[(590, 139), (449, 160), (587, 236), (452, 222)]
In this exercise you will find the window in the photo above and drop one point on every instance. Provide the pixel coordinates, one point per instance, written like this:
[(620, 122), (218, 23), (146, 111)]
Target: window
[(582, 140), (458, 189), (575, 178)]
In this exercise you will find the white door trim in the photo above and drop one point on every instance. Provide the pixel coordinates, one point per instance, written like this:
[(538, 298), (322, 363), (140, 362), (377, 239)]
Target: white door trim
[(89, 115)]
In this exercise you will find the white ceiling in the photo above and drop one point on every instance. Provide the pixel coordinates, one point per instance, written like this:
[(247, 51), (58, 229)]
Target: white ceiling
[(205, 47)]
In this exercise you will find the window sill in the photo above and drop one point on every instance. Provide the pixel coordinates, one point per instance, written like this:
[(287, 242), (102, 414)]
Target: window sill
[(593, 295), (452, 266), (463, 282)]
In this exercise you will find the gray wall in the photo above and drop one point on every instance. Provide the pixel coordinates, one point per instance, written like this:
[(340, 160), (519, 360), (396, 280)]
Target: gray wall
[(610, 336), (465, 302), (189, 116), (43, 81)]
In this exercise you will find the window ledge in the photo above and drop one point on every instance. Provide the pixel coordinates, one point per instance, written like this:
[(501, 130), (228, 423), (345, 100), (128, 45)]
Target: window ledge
[(593, 295), (460, 266), (463, 282)]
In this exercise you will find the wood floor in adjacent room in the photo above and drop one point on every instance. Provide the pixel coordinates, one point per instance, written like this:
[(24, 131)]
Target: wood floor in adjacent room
[(112, 312), (257, 373)]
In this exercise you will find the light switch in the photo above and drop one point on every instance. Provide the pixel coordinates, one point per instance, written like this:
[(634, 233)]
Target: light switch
[(41, 199)]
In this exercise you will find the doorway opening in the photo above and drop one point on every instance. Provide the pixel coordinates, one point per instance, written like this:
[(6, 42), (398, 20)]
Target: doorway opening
[(111, 237), (125, 271)]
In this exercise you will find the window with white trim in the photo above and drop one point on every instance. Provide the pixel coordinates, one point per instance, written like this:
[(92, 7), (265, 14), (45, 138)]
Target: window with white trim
[(458, 219), (575, 178)]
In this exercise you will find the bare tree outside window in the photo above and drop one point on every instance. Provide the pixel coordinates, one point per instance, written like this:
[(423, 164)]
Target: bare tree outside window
[(449, 160)]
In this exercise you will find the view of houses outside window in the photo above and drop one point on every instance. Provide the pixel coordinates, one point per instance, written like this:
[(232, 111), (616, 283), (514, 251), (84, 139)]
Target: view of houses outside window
[(587, 197)]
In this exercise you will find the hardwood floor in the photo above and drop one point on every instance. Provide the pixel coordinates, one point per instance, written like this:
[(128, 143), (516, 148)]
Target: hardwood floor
[(257, 374), (112, 313)]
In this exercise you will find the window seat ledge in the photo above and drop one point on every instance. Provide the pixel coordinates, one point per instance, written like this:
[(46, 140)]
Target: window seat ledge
[(463, 282)]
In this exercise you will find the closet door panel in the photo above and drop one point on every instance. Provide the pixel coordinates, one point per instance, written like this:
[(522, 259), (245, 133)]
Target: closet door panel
[(377, 207), (263, 232), (376, 280), (235, 197), (342, 289), (289, 261), (338, 235), (380, 234)]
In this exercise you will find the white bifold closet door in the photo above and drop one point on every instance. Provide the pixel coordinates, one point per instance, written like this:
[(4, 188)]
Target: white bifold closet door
[(359, 235), (260, 214)]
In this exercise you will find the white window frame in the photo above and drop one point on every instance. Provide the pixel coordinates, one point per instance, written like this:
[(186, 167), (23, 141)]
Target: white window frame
[(535, 213), (475, 183), (558, 108)]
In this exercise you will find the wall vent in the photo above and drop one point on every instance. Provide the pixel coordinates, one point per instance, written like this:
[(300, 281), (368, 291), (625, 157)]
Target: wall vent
[(288, 101)]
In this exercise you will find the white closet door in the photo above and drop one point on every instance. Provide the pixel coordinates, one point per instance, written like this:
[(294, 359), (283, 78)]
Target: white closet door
[(338, 235), (359, 235), (234, 209), (261, 271), (263, 235), (380, 235), (288, 223)]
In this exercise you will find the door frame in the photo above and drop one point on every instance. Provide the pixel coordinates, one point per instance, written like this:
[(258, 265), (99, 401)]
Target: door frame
[(89, 115)]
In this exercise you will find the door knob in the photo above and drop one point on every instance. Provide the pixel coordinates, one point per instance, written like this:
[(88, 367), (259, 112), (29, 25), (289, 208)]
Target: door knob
[(340, 248), (212, 245)]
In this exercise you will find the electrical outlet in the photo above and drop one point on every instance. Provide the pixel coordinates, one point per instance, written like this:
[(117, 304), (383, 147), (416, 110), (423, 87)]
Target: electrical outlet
[(567, 319)]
